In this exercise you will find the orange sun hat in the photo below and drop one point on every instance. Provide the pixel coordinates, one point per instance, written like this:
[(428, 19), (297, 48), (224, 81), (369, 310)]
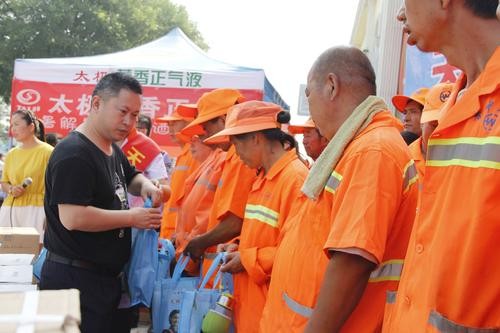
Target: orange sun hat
[(211, 105), (300, 129), (400, 101), (182, 112), (434, 101), (251, 116)]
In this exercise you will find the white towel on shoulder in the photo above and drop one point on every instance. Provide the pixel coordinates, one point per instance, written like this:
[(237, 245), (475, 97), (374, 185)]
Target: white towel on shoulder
[(327, 161)]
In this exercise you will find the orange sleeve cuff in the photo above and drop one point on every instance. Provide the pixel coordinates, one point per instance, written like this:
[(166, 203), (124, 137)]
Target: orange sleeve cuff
[(258, 263)]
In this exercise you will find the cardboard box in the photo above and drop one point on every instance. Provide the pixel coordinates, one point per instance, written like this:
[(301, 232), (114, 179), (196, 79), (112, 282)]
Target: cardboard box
[(14, 259), (16, 274), (16, 287), (19, 240), (56, 311)]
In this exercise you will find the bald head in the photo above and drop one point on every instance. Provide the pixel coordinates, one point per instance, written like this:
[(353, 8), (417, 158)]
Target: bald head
[(339, 80), (350, 65)]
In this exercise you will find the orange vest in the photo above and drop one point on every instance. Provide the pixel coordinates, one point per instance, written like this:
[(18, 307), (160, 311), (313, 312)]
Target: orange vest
[(417, 156), (450, 281), (368, 203), (185, 165), (268, 207), (197, 200), (231, 195)]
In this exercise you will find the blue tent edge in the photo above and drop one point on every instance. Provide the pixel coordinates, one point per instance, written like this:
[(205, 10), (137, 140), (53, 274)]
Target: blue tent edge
[(272, 95)]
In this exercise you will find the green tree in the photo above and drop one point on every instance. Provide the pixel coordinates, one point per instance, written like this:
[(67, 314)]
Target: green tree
[(4, 125), (66, 28)]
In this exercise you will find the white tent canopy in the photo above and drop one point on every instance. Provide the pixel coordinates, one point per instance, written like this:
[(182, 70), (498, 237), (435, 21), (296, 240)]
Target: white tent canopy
[(172, 52), (171, 69)]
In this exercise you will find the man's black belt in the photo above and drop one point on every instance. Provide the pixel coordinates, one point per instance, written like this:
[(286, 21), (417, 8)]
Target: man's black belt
[(79, 264)]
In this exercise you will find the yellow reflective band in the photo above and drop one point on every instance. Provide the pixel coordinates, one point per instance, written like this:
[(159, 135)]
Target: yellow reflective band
[(262, 214), (465, 163), (467, 140), (470, 152), (387, 271), (410, 176), (333, 182)]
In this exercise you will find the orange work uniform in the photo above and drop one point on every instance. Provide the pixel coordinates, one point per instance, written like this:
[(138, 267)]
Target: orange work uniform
[(230, 197), (368, 205), (195, 204), (268, 207), (417, 156), (450, 281), (185, 165)]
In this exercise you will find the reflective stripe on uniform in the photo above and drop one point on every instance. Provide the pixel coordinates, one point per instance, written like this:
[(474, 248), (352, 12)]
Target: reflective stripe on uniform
[(333, 182), (296, 307), (387, 271), (262, 214), (206, 183), (410, 176), (181, 168), (443, 324), (173, 209), (390, 297), (470, 152)]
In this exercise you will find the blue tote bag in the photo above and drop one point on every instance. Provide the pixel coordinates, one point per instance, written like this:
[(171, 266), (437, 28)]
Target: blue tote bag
[(38, 264), (142, 268), (196, 303), (167, 296)]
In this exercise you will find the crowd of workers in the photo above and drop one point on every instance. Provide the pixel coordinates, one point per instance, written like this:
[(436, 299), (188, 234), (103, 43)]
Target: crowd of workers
[(374, 236)]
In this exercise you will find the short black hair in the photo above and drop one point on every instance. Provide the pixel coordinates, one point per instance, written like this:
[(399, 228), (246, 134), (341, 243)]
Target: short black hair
[(112, 83), (146, 122), (172, 314), (483, 8), (51, 139)]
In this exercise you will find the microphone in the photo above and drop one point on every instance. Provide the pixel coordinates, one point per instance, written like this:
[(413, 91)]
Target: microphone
[(27, 182)]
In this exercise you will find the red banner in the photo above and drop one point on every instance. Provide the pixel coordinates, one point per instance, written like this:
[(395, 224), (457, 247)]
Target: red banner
[(62, 107)]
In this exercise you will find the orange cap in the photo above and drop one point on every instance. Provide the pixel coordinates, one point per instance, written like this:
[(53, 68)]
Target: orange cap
[(434, 100), (182, 112), (300, 129), (248, 117), (211, 105), (418, 96)]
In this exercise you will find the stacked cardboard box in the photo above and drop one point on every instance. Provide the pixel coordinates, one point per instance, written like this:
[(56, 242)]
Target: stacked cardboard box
[(56, 311), (18, 248)]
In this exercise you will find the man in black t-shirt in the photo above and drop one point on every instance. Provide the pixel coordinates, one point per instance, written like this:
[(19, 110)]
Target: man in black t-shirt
[(88, 218)]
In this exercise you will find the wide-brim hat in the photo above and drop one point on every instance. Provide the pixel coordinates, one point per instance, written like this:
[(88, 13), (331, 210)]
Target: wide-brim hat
[(247, 117), (435, 99), (185, 112), (400, 101), (300, 129), (211, 105)]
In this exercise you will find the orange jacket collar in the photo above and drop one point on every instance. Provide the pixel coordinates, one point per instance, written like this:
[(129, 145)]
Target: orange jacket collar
[(286, 159), (381, 119), (486, 83)]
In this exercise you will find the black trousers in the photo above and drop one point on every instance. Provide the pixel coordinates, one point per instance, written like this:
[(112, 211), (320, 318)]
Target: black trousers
[(99, 294)]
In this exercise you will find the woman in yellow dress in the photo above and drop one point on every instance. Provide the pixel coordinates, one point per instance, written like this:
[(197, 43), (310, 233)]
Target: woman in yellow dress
[(23, 177)]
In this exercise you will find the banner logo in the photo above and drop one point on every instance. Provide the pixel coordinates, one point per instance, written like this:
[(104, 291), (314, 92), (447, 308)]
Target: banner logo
[(28, 97)]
